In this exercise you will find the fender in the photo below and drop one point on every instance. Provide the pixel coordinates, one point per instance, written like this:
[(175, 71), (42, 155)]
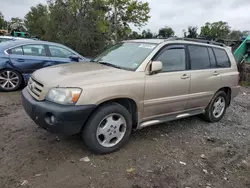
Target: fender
[(5, 63)]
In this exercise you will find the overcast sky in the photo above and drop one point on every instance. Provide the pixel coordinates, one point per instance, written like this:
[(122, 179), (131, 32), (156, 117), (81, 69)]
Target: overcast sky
[(178, 14)]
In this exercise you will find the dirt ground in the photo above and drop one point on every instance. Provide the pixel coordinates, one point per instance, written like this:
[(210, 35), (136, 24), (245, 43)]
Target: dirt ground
[(188, 153)]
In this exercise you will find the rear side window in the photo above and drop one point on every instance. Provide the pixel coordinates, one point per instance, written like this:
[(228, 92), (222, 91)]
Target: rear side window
[(199, 57), (222, 58), (212, 58), (16, 51), (34, 50), (173, 59)]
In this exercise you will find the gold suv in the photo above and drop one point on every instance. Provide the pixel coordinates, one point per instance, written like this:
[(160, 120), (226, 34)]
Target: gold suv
[(132, 85)]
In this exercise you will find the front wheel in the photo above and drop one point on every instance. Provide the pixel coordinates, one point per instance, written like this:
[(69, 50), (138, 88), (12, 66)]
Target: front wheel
[(216, 108), (10, 80), (108, 128)]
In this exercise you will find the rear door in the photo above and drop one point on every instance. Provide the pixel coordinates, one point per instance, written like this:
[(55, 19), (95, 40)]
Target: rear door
[(29, 58), (205, 77), (60, 55)]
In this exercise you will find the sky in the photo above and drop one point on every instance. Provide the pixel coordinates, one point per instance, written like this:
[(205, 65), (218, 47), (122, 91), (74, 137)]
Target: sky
[(178, 14)]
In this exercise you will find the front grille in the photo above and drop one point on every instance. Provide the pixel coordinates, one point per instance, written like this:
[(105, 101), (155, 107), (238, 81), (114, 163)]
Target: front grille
[(35, 88)]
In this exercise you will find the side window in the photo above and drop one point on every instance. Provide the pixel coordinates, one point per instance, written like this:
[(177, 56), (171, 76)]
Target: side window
[(173, 59), (212, 58), (16, 51), (34, 50), (199, 57), (59, 52), (222, 58)]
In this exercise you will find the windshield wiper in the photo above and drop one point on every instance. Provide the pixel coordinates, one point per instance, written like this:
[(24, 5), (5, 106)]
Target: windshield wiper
[(109, 64)]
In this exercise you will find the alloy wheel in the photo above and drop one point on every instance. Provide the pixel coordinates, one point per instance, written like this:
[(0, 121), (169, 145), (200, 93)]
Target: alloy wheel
[(9, 80)]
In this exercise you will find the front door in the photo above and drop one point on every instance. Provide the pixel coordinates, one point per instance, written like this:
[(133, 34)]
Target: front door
[(29, 58), (167, 92)]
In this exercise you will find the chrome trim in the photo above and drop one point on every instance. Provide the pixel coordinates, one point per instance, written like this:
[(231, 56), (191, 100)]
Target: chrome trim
[(171, 117)]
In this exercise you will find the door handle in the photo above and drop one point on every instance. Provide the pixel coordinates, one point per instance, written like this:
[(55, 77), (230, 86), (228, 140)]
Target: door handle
[(20, 60), (215, 73), (185, 76)]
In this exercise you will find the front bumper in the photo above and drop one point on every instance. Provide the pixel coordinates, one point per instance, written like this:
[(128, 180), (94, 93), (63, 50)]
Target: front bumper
[(68, 120)]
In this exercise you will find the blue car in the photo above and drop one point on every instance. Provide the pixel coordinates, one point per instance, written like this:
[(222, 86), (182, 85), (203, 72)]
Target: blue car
[(20, 58)]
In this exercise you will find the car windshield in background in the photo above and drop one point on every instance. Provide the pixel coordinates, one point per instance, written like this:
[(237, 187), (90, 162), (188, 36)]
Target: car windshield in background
[(128, 55)]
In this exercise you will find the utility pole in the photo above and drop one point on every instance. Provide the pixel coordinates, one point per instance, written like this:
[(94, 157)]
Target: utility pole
[(115, 20)]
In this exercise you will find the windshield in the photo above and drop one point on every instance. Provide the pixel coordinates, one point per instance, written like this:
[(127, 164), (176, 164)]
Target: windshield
[(126, 55)]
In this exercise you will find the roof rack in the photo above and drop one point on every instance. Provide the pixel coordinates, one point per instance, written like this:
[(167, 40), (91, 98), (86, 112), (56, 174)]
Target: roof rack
[(197, 40)]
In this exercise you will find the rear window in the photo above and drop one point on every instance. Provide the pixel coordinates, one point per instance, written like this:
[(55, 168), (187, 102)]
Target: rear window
[(199, 57), (222, 58)]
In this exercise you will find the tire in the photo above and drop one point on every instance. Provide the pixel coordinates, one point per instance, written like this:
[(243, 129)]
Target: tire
[(10, 80), (106, 122), (209, 115)]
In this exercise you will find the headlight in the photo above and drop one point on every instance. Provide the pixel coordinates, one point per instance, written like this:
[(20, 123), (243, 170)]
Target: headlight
[(64, 95)]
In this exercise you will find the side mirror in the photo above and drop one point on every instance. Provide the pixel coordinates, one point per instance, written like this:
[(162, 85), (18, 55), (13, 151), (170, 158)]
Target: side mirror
[(156, 66), (74, 58)]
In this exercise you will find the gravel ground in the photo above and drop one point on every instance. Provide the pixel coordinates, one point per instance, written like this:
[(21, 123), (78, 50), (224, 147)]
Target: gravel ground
[(179, 154)]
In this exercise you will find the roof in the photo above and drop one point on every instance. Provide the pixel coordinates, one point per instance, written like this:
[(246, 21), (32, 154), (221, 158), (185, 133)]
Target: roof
[(178, 40), (10, 44), (153, 41)]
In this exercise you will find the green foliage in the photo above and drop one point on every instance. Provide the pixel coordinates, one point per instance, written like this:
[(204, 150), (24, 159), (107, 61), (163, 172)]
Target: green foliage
[(147, 34), (3, 23), (215, 30), (37, 19), (87, 26), (235, 35), (16, 24), (192, 32), (166, 32), (246, 33)]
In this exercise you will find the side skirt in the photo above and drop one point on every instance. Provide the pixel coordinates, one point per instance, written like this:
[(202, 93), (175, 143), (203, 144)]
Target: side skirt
[(171, 117)]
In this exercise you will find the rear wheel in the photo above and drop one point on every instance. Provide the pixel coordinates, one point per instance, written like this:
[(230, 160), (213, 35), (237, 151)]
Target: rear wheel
[(108, 128), (216, 108), (10, 80)]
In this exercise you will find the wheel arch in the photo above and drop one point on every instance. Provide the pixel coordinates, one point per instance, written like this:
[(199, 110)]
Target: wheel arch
[(228, 92), (128, 103)]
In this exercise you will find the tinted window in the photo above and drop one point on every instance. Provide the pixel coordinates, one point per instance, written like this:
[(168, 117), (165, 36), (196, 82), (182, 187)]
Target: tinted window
[(59, 52), (17, 51), (34, 50), (212, 58), (222, 58), (199, 57), (173, 59)]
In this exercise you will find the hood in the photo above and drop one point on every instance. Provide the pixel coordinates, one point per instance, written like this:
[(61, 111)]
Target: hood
[(79, 74)]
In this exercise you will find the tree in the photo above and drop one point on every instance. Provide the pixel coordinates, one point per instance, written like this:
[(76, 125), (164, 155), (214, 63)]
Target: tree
[(192, 32), (235, 35), (166, 32), (246, 33), (87, 26), (215, 30), (17, 24), (3, 22), (184, 33), (37, 20), (147, 34), (135, 35), (123, 13)]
